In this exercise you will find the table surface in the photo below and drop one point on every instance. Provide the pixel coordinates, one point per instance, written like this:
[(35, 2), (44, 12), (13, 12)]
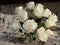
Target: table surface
[(7, 12)]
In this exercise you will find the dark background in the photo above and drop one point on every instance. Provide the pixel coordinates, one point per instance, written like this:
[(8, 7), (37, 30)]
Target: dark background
[(24, 1)]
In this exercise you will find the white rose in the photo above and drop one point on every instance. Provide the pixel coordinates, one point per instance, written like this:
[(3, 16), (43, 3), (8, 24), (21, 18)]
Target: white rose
[(50, 33), (14, 27), (38, 10), (30, 25), (30, 5), (53, 18), (44, 37), (17, 9), (41, 30), (51, 21), (41, 34), (46, 13), (22, 15)]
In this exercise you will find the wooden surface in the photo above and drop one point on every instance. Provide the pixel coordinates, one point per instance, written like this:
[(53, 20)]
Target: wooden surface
[(7, 12)]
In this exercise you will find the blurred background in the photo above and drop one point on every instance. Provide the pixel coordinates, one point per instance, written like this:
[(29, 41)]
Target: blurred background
[(24, 1)]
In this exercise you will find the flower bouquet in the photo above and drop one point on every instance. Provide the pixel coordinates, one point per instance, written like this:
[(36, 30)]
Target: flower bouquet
[(34, 21)]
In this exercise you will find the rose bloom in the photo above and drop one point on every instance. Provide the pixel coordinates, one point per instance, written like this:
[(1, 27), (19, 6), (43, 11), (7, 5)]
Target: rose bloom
[(38, 10), (30, 25), (17, 9), (41, 34), (53, 18), (51, 21), (30, 5), (46, 13), (22, 15), (15, 26), (50, 33)]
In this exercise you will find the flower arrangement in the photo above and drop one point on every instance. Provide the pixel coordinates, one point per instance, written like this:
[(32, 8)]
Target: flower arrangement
[(35, 21)]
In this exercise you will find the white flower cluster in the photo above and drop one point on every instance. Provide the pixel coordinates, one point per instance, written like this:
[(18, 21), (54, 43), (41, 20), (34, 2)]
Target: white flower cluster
[(32, 25)]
